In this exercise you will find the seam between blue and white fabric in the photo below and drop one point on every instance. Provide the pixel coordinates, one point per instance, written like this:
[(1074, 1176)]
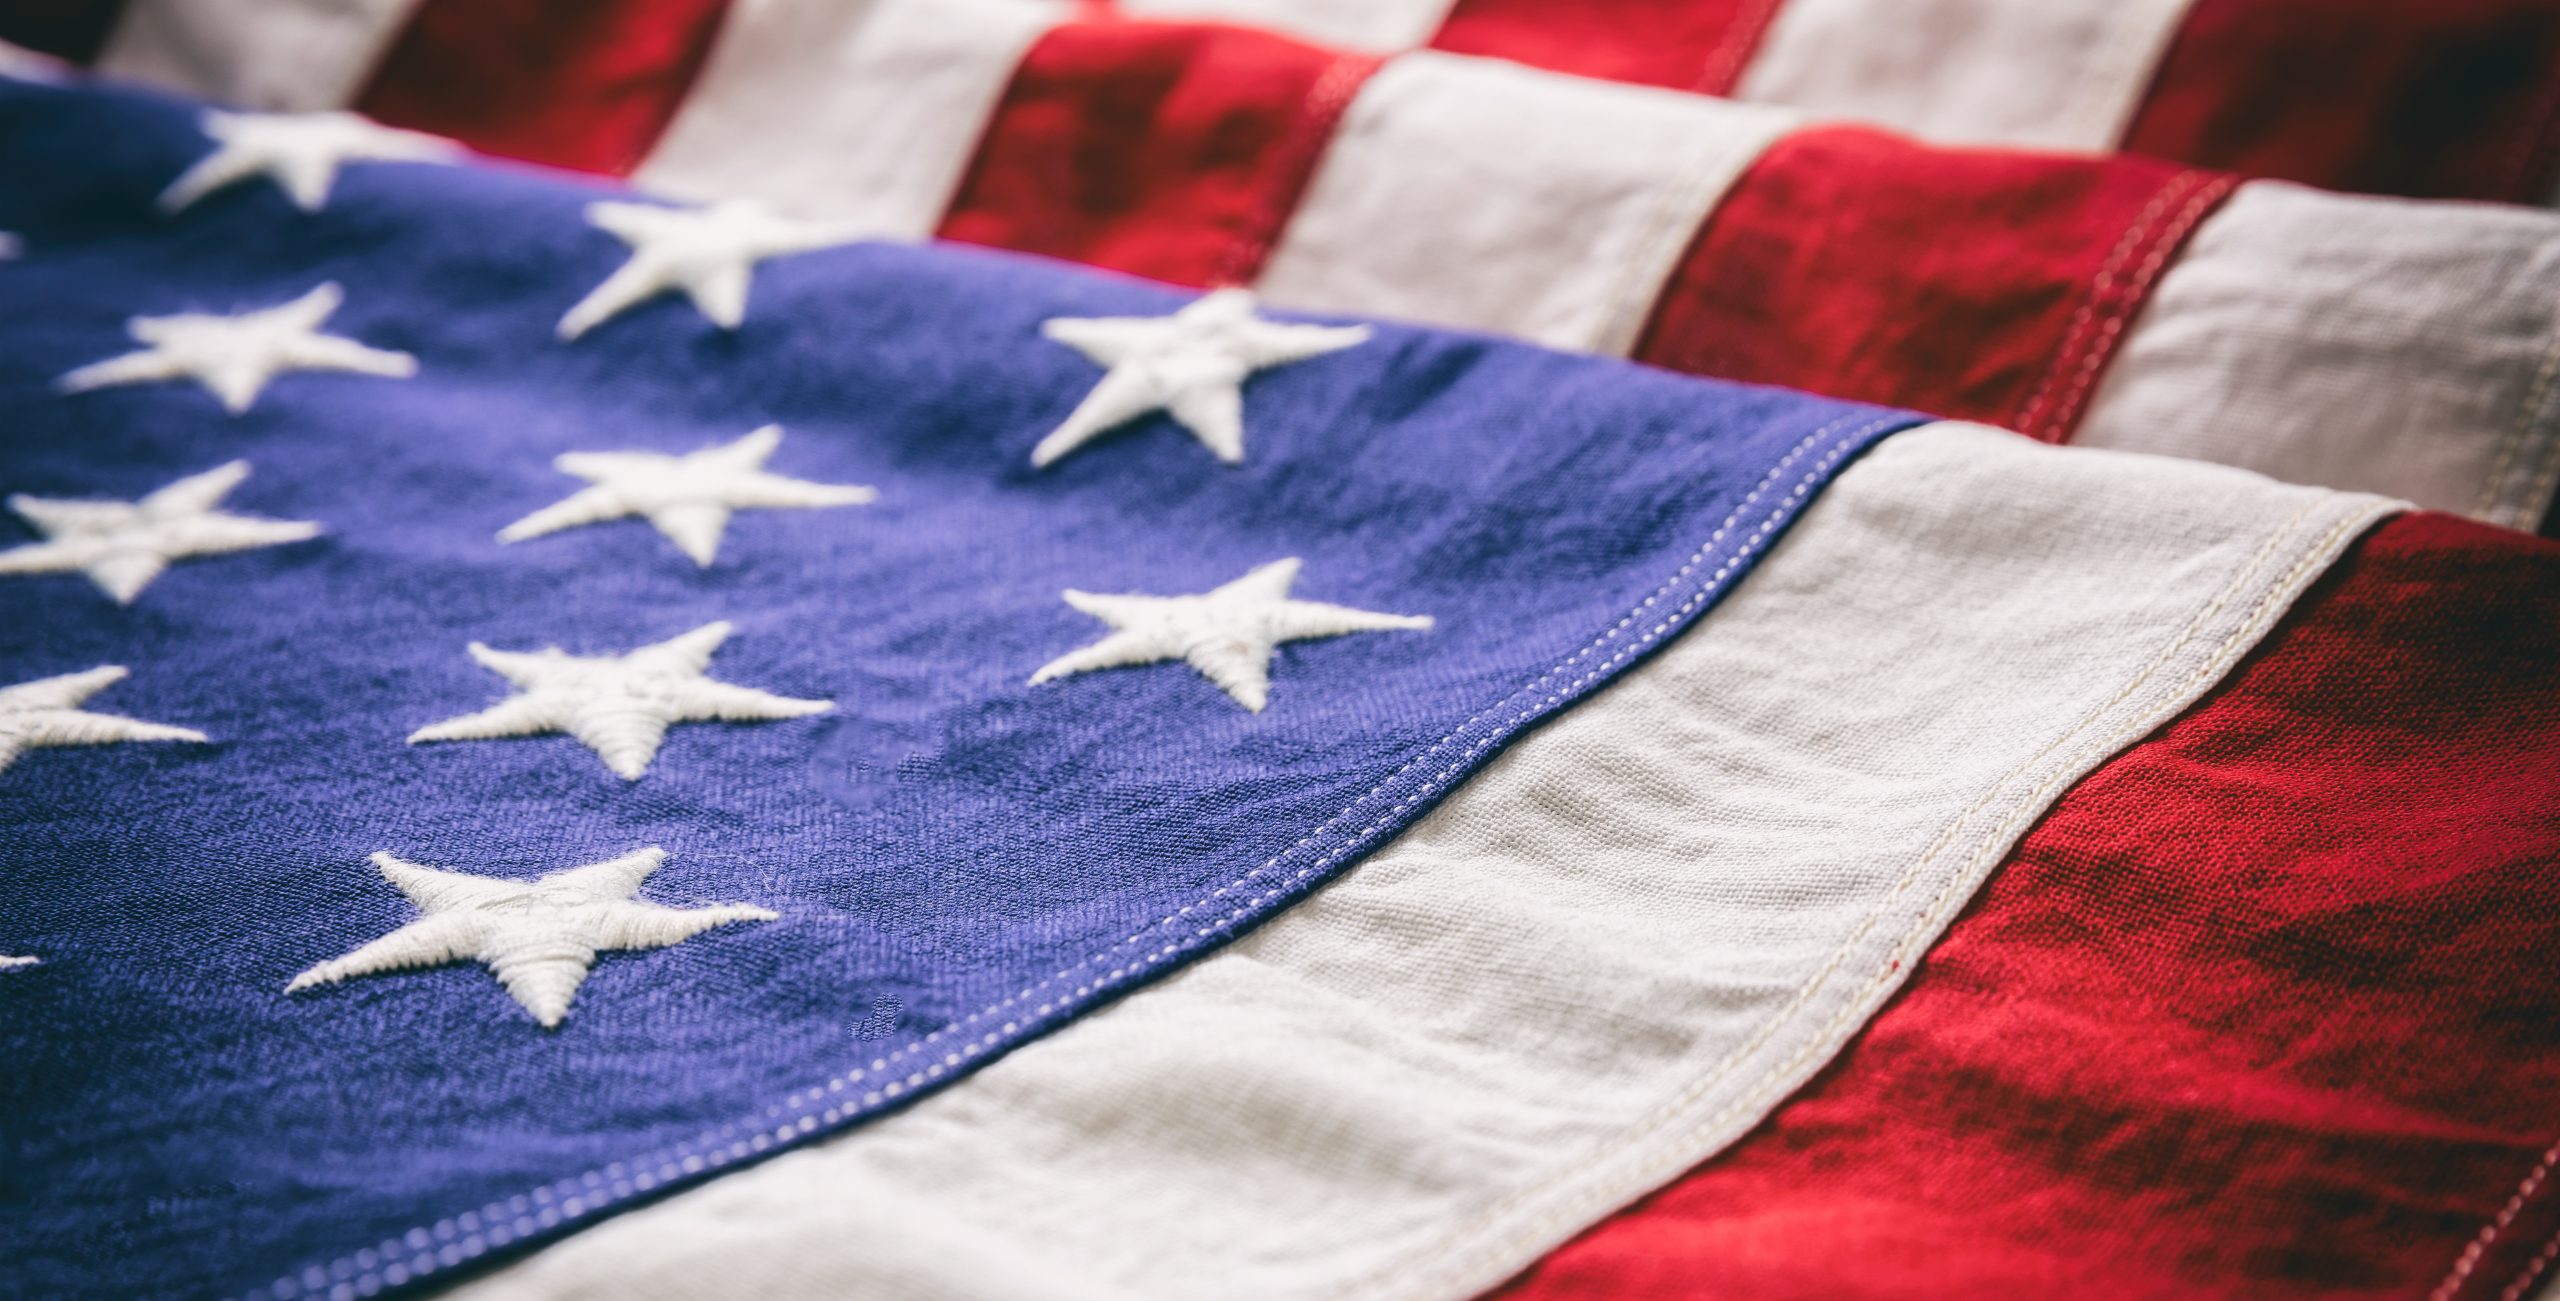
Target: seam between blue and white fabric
[(430, 1249)]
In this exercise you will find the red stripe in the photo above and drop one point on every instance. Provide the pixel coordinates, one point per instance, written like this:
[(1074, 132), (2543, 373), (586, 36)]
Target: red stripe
[(2433, 98), (2265, 1007), (589, 87), (75, 30), (1169, 150), (1699, 45), (1972, 284)]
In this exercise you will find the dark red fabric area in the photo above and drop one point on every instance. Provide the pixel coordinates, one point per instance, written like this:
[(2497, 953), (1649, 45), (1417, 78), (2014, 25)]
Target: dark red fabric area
[(583, 86), (66, 29), (1699, 45), (2267, 1007), (1169, 150), (2433, 98), (1974, 284)]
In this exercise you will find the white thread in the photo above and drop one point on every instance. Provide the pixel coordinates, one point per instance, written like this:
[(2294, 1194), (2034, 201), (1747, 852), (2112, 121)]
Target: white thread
[(123, 545), (235, 356), (1229, 633), (709, 254), (687, 498), (539, 938), (619, 706), (46, 712), (1191, 365)]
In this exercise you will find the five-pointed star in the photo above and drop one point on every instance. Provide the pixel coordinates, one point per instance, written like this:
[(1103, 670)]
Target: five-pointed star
[(709, 253), (123, 545), (688, 498), (235, 356), (1191, 365), (47, 712), (619, 706), (537, 937), (300, 151), (1228, 634)]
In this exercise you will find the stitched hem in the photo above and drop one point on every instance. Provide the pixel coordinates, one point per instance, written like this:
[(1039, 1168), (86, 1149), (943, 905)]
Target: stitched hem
[(2542, 470), (1657, 1147), (2115, 296), (889, 1082)]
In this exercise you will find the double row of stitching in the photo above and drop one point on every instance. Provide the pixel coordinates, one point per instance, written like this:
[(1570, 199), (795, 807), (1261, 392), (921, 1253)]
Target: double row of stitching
[(2114, 296), (1960, 886), (2468, 1263)]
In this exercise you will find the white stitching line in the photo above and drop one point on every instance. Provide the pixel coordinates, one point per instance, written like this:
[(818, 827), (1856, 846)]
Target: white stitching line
[(2488, 1235), (546, 1206), (1667, 1112), (2518, 436)]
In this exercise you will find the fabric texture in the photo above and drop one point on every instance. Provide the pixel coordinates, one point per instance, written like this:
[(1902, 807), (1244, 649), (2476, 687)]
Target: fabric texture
[(2058, 74), (1621, 943), (890, 94), (2243, 1016), (1980, 285), (1697, 45), (1557, 207), (869, 758), (2354, 342)]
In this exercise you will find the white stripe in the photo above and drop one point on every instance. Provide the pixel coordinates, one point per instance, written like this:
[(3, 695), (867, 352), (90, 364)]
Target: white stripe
[(296, 55), (2064, 74), (1598, 962), (1386, 26), (2384, 345), (866, 113), (1479, 193)]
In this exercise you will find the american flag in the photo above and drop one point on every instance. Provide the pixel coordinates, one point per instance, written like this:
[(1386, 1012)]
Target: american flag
[(1762, 648)]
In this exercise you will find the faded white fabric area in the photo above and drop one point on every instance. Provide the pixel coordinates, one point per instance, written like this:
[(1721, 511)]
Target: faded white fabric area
[(1602, 959), (2062, 74), (865, 112), (281, 55), (1479, 193), (2381, 345), (1381, 25)]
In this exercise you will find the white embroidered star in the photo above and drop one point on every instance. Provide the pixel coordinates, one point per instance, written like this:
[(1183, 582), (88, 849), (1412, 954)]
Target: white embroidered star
[(688, 498), (619, 706), (235, 356), (302, 152), (8, 963), (537, 937), (709, 253), (47, 712), (1228, 634), (1191, 365), (123, 545), (10, 245)]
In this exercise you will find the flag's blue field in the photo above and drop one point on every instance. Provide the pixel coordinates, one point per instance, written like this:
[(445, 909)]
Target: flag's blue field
[(880, 810)]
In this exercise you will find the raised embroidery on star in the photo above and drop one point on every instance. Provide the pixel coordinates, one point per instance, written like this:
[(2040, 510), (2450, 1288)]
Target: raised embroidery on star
[(235, 356), (688, 498), (1228, 634), (619, 706), (539, 938), (123, 545), (1191, 365), (47, 712), (8, 963), (300, 152), (709, 254)]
